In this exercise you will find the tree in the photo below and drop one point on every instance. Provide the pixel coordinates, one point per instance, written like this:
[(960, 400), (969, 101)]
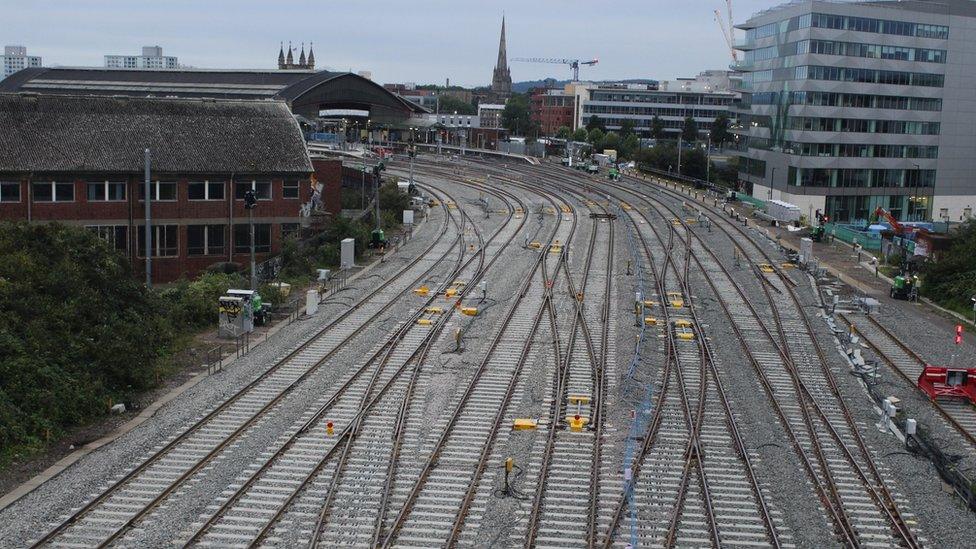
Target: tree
[(595, 123), (563, 132), (516, 117), (449, 103), (694, 163), (629, 147), (951, 281), (689, 130), (626, 127), (720, 129), (580, 134), (657, 128), (611, 141), (595, 137)]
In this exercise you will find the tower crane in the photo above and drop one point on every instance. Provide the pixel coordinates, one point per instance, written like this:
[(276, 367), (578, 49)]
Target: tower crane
[(573, 63), (727, 30)]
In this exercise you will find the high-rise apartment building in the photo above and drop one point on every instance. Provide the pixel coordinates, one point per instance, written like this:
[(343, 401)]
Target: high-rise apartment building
[(847, 106), (15, 58), (152, 58)]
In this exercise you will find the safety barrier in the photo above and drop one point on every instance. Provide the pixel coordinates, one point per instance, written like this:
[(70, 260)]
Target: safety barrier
[(845, 233)]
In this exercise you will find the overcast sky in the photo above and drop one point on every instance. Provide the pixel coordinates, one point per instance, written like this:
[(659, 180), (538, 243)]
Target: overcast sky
[(420, 41)]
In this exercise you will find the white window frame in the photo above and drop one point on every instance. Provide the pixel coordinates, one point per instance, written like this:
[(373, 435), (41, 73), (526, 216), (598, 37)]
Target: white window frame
[(206, 190), (104, 194), (54, 191)]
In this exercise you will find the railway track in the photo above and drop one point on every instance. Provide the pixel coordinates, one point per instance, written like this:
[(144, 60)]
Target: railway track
[(908, 365), (132, 498), (436, 498), (843, 469), (284, 496)]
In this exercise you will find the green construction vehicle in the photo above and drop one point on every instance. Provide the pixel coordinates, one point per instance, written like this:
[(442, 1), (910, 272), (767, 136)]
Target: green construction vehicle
[(818, 233), (905, 287), (613, 174), (377, 239)]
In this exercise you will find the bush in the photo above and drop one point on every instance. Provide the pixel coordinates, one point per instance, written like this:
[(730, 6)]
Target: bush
[(192, 306), (78, 331), (951, 281)]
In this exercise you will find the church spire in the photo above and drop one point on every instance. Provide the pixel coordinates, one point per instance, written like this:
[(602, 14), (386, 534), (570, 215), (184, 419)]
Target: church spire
[(311, 56), (501, 79), (301, 58), (290, 60), (502, 55), (281, 55)]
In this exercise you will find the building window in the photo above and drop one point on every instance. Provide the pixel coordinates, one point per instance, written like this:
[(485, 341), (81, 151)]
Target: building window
[(107, 191), (289, 189), (262, 189), (160, 191), (9, 192), (53, 192), (165, 240), (205, 190), (205, 239), (262, 238), (117, 236), (290, 230)]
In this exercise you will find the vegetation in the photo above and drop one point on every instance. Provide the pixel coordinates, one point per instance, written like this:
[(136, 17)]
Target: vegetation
[(657, 128), (689, 130), (627, 127), (720, 130), (449, 103), (78, 332), (563, 132), (951, 281), (516, 117), (580, 134), (595, 123)]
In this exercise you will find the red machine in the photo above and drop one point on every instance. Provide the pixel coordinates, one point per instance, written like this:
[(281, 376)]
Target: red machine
[(944, 382)]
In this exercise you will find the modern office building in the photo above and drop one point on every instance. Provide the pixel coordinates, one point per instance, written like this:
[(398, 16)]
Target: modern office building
[(15, 58), (703, 98), (152, 58), (847, 106)]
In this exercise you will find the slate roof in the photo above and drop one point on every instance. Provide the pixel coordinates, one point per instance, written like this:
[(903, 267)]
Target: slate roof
[(92, 134), (212, 83)]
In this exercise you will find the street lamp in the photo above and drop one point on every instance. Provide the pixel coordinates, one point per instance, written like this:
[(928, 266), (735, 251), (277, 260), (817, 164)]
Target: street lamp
[(708, 157), (914, 192)]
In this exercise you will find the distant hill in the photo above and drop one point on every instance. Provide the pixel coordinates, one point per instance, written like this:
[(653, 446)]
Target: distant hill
[(526, 85)]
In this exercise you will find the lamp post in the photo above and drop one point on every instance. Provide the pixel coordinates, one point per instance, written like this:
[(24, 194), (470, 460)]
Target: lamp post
[(148, 226), (915, 192), (679, 155), (708, 158), (250, 202)]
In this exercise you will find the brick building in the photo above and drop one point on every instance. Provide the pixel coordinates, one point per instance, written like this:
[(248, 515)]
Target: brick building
[(552, 109), (79, 160)]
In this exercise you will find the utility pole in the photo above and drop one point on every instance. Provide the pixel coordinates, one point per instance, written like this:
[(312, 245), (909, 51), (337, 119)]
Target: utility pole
[(148, 226), (250, 201), (708, 158), (679, 154)]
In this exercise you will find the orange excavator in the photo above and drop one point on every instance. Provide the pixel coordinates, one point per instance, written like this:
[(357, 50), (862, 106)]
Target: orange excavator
[(905, 286)]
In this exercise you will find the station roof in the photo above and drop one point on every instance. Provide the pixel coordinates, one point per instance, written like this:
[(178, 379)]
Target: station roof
[(95, 134), (288, 85)]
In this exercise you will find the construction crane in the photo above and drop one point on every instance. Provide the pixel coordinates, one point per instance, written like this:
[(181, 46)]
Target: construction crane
[(727, 30), (573, 63)]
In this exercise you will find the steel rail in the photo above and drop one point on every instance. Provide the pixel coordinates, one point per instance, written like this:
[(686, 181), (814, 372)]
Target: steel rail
[(884, 500), (105, 494)]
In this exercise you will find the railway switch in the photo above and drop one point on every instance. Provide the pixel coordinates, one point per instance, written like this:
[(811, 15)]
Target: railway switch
[(524, 424), (576, 423), (766, 268), (650, 321), (579, 399), (422, 291), (470, 311)]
